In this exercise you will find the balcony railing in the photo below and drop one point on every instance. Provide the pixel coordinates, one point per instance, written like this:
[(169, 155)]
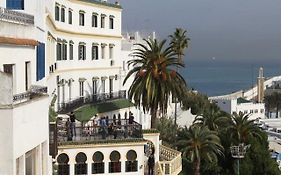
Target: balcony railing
[(34, 91), (96, 98), (93, 132), (170, 161), (16, 17)]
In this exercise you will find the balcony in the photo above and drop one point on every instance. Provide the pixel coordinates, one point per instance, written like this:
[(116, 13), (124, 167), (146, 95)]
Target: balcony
[(16, 17), (35, 91), (170, 161), (116, 131), (93, 99)]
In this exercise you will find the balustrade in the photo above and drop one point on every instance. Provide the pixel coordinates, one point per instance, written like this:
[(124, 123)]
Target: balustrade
[(16, 17)]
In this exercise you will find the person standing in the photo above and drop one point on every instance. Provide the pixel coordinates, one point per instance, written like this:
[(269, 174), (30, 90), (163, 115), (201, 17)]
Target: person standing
[(72, 123), (151, 163)]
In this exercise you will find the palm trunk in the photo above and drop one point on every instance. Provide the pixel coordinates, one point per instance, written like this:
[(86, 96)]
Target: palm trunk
[(277, 109), (180, 60), (197, 167), (153, 117)]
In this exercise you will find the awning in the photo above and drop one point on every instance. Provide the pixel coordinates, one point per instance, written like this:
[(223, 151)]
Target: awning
[(112, 77), (103, 44), (82, 79), (95, 44), (103, 78), (82, 43), (103, 15), (111, 45), (95, 13), (82, 11), (71, 42), (18, 41), (95, 78), (111, 16)]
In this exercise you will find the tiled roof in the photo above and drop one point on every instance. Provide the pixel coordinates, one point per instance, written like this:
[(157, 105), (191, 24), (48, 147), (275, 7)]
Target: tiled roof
[(18, 41)]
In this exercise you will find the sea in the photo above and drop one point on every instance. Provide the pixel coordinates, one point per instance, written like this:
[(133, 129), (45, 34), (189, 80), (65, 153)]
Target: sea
[(213, 77)]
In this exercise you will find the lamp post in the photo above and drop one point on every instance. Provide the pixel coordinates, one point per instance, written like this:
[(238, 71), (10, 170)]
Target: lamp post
[(238, 152)]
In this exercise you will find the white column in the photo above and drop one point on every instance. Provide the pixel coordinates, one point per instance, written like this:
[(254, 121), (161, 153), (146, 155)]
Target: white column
[(89, 167), (71, 168), (22, 165), (38, 159)]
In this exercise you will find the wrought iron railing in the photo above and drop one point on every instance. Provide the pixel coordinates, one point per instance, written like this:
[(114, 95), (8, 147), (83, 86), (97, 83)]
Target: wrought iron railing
[(96, 98), (170, 160), (93, 131), (33, 92), (16, 17)]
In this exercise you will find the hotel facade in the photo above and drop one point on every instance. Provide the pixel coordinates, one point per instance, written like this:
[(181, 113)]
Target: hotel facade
[(59, 56)]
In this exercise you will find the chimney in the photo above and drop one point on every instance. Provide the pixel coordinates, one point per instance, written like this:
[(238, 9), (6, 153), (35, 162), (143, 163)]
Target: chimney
[(260, 86)]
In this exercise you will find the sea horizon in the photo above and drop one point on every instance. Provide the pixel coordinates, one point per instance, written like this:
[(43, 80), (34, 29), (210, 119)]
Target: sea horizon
[(214, 77)]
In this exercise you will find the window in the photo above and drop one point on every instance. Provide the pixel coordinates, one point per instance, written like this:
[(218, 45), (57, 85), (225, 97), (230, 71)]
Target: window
[(40, 62), (256, 110), (94, 20), (102, 20), (245, 112), (111, 22), (95, 86), (98, 165), (110, 85), (63, 167), (115, 164), (81, 89), (62, 14), (82, 51), (57, 13), (8, 68), (111, 51), (103, 85), (103, 51), (59, 51), (70, 51), (261, 111), (27, 75), (251, 111), (81, 18), (69, 16), (81, 165), (94, 52), (64, 51), (15, 4), (131, 163)]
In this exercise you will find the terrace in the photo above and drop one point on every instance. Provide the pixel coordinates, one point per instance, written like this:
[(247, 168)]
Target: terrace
[(91, 132), (35, 91), (16, 17)]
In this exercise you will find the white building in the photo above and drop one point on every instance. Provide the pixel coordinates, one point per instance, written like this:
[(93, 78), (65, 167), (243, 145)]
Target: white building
[(240, 105), (24, 137)]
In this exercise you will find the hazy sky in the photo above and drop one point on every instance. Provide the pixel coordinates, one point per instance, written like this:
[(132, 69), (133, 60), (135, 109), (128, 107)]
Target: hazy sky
[(224, 29)]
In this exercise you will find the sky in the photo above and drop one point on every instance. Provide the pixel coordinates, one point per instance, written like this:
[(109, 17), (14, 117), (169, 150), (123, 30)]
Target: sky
[(227, 30)]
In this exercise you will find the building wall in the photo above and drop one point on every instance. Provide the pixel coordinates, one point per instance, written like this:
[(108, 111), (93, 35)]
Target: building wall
[(256, 110), (106, 150)]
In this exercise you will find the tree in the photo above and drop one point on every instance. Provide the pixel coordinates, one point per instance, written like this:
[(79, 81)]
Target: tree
[(179, 42), (198, 143), (168, 131), (273, 101), (213, 118), (155, 81), (241, 129)]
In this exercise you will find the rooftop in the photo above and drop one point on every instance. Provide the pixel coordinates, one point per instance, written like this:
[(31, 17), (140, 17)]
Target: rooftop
[(116, 5), (242, 100)]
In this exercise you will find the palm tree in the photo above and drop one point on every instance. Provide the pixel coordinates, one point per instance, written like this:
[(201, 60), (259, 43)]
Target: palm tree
[(179, 42), (273, 101), (154, 78), (241, 129), (199, 143), (213, 118)]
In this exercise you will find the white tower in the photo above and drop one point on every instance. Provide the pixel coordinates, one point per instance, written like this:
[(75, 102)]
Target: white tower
[(260, 86)]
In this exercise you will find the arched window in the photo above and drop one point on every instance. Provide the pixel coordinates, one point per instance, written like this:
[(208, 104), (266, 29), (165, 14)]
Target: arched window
[(131, 163), (115, 164), (98, 165), (81, 165), (63, 167)]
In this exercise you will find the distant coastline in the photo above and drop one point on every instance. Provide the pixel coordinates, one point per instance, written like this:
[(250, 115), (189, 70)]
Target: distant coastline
[(215, 77)]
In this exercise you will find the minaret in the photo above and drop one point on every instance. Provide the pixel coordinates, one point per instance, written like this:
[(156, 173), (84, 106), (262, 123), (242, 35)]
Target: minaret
[(260, 86)]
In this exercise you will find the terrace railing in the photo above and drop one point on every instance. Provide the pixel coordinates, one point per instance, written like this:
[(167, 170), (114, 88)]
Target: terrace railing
[(95, 98), (170, 160), (16, 17), (34, 91)]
